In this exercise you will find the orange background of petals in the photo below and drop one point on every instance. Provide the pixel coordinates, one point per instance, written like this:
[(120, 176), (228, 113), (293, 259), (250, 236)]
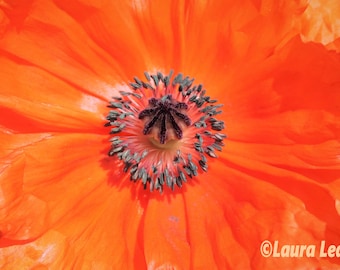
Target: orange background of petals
[(64, 204)]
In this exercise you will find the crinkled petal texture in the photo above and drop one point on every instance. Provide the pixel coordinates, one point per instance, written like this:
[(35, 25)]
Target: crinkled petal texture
[(321, 23), (63, 205)]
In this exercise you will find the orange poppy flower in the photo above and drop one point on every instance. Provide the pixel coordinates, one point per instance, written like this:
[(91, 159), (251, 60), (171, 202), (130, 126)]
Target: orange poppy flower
[(264, 197)]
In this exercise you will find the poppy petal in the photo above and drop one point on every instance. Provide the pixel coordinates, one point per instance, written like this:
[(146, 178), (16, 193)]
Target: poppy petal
[(267, 90), (47, 252), (320, 23), (42, 102), (212, 242), (14, 12), (112, 27), (165, 234), (35, 193), (54, 42), (273, 214), (294, 183), (102, 225), (81, 198), (111, 225), (300, 127), (322, 156)]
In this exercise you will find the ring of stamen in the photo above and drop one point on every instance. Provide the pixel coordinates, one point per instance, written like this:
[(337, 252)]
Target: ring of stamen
[(165, 130)]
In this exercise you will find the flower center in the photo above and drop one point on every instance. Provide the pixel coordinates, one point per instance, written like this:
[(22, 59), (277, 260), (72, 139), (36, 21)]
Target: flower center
[(165, 130), (164, 111)]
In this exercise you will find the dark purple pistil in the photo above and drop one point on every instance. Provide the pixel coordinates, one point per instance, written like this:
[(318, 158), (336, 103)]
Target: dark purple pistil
[(162, 112)]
